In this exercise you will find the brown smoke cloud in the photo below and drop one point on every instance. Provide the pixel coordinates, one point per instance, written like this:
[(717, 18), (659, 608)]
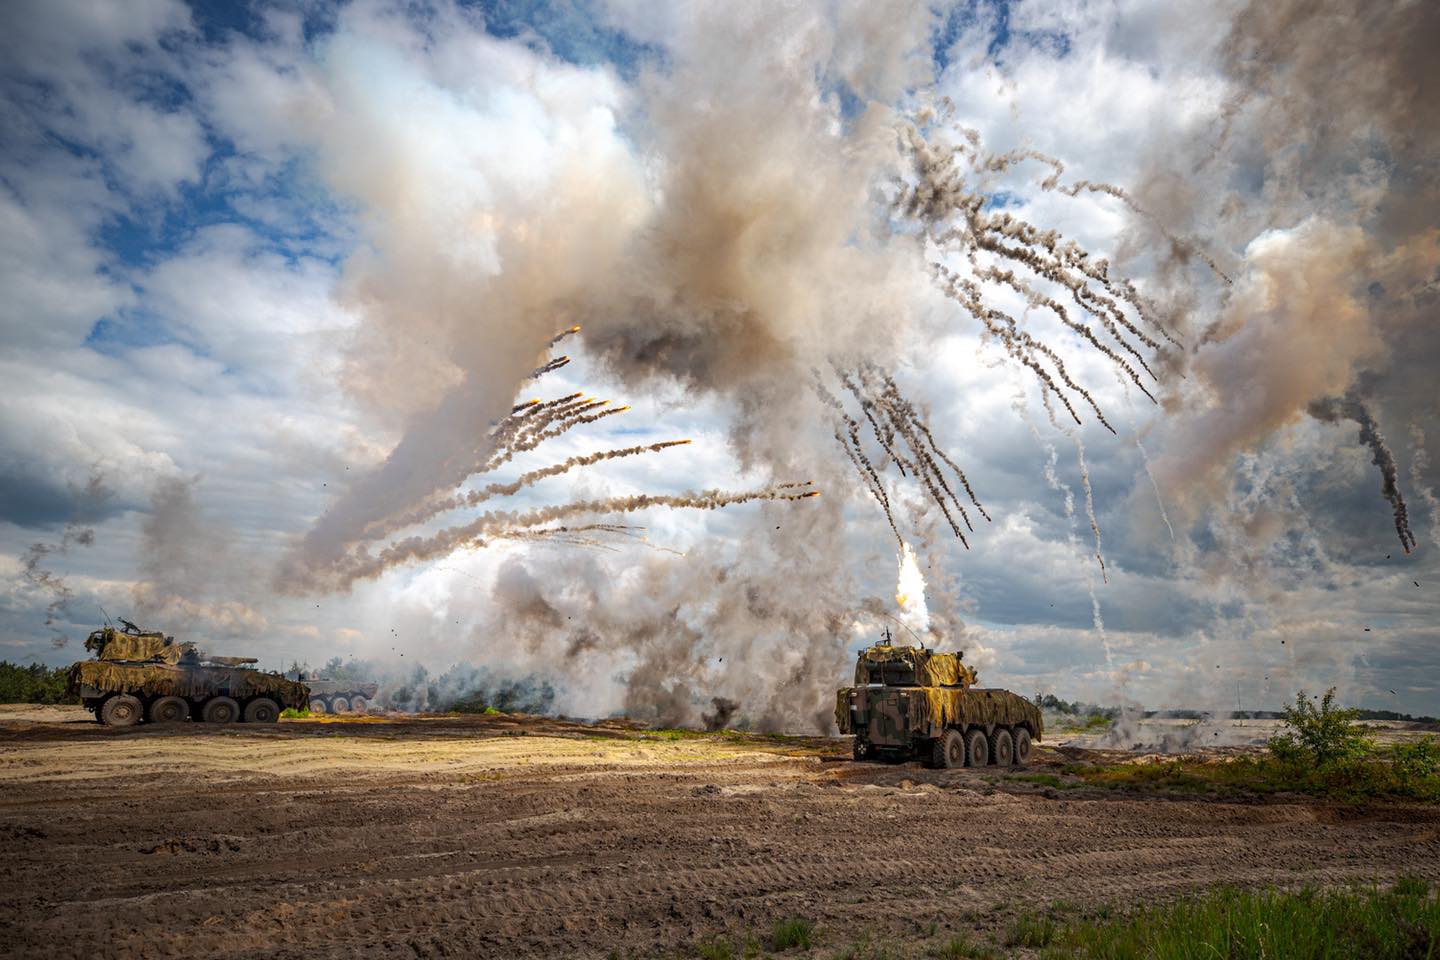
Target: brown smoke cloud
[(1334, 110)]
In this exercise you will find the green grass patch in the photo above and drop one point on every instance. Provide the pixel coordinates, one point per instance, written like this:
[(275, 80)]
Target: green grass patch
[(791, 933), (1044, 780), (1405, 773), (1355, 924), (290, 713), (726, 949), (1030, 930), (963, 948)]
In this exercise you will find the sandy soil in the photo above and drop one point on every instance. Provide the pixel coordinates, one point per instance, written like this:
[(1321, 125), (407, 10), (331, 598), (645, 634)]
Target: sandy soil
[(496, 836)]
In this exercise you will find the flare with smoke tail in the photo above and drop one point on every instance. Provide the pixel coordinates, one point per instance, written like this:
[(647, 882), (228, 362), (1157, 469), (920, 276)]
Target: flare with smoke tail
[(1351, 407)]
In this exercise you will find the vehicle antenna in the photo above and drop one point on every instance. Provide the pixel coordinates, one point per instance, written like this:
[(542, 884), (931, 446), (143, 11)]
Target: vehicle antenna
[(903, 624), (104, 614)]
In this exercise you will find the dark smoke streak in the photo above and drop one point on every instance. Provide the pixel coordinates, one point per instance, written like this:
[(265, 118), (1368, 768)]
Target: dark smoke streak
[(1351, 407)]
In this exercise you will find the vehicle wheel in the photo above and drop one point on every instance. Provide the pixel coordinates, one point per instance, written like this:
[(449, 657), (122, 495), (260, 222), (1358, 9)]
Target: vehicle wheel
[(262, 710), (220, 710), (339, 705), (1022, 746), (860, 749), (977, 749), (949, 750), (121, 710), (317, 706), (359, 704), (1003, 754), (169, 710)]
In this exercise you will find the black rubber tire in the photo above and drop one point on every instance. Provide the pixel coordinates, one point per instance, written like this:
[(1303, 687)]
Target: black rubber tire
[(359, 704), (169, 710), (121, 710), (339, 705), (318, 706), (949, 751), (860, 749), (1022, 746), (220, 710), (1002, 749), (977, 749), (262, 710)]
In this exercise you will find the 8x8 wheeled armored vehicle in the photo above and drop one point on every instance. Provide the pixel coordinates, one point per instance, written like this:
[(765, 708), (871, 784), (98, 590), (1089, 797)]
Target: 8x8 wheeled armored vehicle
[(141, 675), (911, 701)]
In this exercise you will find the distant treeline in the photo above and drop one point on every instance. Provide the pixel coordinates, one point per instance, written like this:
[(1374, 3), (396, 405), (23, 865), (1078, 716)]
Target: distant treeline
[(1052, 703), (32, 683)]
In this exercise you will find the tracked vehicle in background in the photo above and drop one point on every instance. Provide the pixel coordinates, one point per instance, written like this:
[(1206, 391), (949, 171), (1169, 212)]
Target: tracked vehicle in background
[(144, 676), (341, 696), (912, 701)]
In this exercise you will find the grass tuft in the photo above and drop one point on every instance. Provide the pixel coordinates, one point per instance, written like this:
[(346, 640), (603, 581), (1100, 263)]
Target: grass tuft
[(963, 948), (791, 933), (1029, 930)]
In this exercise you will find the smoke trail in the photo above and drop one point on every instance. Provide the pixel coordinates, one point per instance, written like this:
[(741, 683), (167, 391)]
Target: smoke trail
[(1330, 410), (1159, 501), (1090, 508), (361, 564), (1052, 479), (476, 497), (51, 582)]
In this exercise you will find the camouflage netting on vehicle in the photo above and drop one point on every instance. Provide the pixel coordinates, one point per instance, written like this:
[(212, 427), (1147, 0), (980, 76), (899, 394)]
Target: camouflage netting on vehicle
[(163, 679), (926, 667), (111, 644), (929, 709)]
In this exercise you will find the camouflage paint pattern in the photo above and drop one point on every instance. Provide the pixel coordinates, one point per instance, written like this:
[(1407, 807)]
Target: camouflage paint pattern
[(905, 695)]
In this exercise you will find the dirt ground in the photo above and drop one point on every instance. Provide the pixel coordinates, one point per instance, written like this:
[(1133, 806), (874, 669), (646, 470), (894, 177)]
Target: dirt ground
[(510, 837)]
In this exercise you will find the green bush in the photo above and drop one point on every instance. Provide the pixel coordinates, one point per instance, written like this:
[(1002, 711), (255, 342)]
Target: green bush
[(1419, 758), (1326, 733), (33, 683)]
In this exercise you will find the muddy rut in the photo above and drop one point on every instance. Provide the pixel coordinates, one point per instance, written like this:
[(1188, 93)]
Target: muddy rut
[(498, 837)]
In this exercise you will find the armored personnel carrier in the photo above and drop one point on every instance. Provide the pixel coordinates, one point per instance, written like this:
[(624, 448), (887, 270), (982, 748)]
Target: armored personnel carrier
[(912, 701), (142, 675), (341, 696)]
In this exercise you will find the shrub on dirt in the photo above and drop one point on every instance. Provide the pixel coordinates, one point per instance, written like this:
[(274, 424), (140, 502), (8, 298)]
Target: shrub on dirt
[(1419, 758), (1326, 733), (791, 933)]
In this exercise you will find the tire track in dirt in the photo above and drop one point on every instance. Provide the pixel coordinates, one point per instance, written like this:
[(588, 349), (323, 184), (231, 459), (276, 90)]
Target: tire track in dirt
[(369, 846)]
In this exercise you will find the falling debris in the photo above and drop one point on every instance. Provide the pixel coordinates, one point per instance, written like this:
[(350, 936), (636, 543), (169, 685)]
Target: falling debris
[(1351, 407)]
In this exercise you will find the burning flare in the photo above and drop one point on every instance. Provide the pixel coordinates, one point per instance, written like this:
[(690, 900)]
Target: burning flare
[(910, 592)]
